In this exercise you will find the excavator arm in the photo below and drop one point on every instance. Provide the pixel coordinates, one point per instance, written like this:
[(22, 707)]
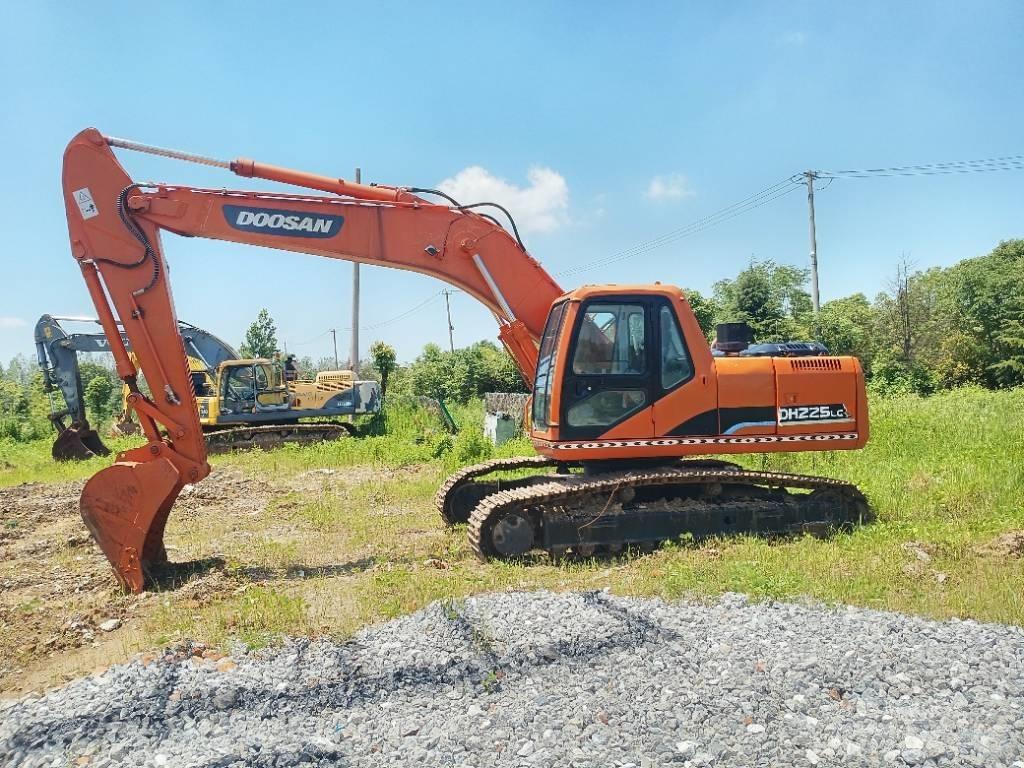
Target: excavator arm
[(115, 228), (57, 356)]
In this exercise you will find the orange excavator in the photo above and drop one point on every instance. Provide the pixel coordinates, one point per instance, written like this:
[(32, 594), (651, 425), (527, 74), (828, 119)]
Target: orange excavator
[(626, 390)]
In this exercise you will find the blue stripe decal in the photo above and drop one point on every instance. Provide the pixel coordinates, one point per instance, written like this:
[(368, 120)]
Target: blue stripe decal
[(744, 424)]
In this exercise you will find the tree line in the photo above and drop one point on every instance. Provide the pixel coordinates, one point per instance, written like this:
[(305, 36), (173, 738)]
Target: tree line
[(928, 329)]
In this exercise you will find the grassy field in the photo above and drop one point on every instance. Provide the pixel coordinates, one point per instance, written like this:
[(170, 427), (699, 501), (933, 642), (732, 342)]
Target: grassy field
[(344, 534)]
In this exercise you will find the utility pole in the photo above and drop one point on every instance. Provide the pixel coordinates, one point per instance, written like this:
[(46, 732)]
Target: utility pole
[(451, 328), (811, 176), (354, 354), (334, 335)]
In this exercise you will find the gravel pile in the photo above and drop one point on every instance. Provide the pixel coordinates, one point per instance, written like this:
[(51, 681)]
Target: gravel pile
[(560, 679)]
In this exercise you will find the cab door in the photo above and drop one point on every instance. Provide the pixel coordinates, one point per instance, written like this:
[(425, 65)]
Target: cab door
[(687, 387), (610, 370)]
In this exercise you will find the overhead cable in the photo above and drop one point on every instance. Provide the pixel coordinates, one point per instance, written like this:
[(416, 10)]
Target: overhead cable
[(765, 196)]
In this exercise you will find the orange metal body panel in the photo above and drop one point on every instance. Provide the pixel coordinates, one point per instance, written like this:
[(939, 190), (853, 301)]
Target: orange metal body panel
[(431, 239), (808, 381), (747, 382)]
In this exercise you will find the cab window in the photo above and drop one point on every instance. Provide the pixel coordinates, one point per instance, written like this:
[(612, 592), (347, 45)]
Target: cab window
[(676, 366), (261, 377), (611, 341), (200, 385), (545, 365), (604, 408)]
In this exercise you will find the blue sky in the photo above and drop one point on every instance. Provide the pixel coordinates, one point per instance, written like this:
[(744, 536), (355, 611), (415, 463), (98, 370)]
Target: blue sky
[(603, 125)]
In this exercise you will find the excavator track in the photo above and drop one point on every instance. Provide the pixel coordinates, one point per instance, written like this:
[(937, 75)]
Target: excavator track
[(604, 514), (463, 490), (456, 499), (272, 436)]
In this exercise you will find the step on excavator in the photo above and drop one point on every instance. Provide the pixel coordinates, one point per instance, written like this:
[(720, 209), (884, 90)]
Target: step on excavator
[(628, 400), (243, 403)]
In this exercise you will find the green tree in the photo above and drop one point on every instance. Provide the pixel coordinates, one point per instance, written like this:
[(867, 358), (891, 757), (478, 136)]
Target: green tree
[(499, 372), (261, 338), (1009, 371), (98, 394), (847, 327), (13, 400), (307, 370), (325, 364), (20, 370), (704, 309), (465, 373), (769, 297), (384, 359), (986, 302)]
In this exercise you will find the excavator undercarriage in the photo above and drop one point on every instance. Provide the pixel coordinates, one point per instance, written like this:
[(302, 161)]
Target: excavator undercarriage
[(275, 435), (578, 513)]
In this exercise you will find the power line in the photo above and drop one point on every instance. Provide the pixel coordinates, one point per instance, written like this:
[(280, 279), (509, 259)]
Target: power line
[(989, 165), (788, 185), (765, 196), (310, 341), (432, 298)]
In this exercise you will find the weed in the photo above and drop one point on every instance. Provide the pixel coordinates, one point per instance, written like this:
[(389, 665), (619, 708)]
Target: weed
[(490, 680)]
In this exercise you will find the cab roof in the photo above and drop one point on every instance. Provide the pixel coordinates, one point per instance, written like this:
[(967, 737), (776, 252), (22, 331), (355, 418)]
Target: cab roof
[(249, 361), (617, 289)]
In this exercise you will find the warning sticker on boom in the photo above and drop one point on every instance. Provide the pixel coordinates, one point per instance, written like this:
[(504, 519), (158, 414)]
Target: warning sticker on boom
[(819, 414), (85, 203)]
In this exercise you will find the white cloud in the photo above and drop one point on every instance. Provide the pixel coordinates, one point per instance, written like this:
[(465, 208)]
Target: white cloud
[(671, 187), (7, 323), (540, 207)]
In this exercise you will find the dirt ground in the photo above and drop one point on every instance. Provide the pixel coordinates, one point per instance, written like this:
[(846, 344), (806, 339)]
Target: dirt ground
[(57, 590), (328, 551)]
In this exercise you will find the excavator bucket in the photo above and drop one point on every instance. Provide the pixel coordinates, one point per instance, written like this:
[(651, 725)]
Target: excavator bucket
[(125, 507), (77, 443)]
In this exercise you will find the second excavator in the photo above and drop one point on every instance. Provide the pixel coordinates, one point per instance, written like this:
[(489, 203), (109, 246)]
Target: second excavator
[(627, 396), (242, 403)]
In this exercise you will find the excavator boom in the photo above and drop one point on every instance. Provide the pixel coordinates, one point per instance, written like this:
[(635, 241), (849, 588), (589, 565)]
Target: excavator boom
[(114, 226)]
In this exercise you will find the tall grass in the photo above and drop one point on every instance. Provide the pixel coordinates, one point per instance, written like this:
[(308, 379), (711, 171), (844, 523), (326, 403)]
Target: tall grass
[(954, 460)]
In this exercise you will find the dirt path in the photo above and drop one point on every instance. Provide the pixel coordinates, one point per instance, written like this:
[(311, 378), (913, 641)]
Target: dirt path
[(58, 599)]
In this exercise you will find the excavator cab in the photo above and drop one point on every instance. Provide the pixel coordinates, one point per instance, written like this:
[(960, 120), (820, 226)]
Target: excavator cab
[(625, 373), (609, 357), (252, 386)]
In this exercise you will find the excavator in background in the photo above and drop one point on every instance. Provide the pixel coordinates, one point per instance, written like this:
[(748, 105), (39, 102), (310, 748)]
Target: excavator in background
[(57, 356), (242, 403), (627, 397)]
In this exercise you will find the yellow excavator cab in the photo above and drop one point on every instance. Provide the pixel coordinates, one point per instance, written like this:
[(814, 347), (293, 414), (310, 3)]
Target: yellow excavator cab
[(251, 386)]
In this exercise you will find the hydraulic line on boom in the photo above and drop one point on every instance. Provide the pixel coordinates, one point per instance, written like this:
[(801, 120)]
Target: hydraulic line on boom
[(624, 384)]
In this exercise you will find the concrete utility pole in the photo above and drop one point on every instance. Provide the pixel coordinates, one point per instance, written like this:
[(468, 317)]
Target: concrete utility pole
[(334, 335), (354, 354), (451, 328), (811, 176)]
